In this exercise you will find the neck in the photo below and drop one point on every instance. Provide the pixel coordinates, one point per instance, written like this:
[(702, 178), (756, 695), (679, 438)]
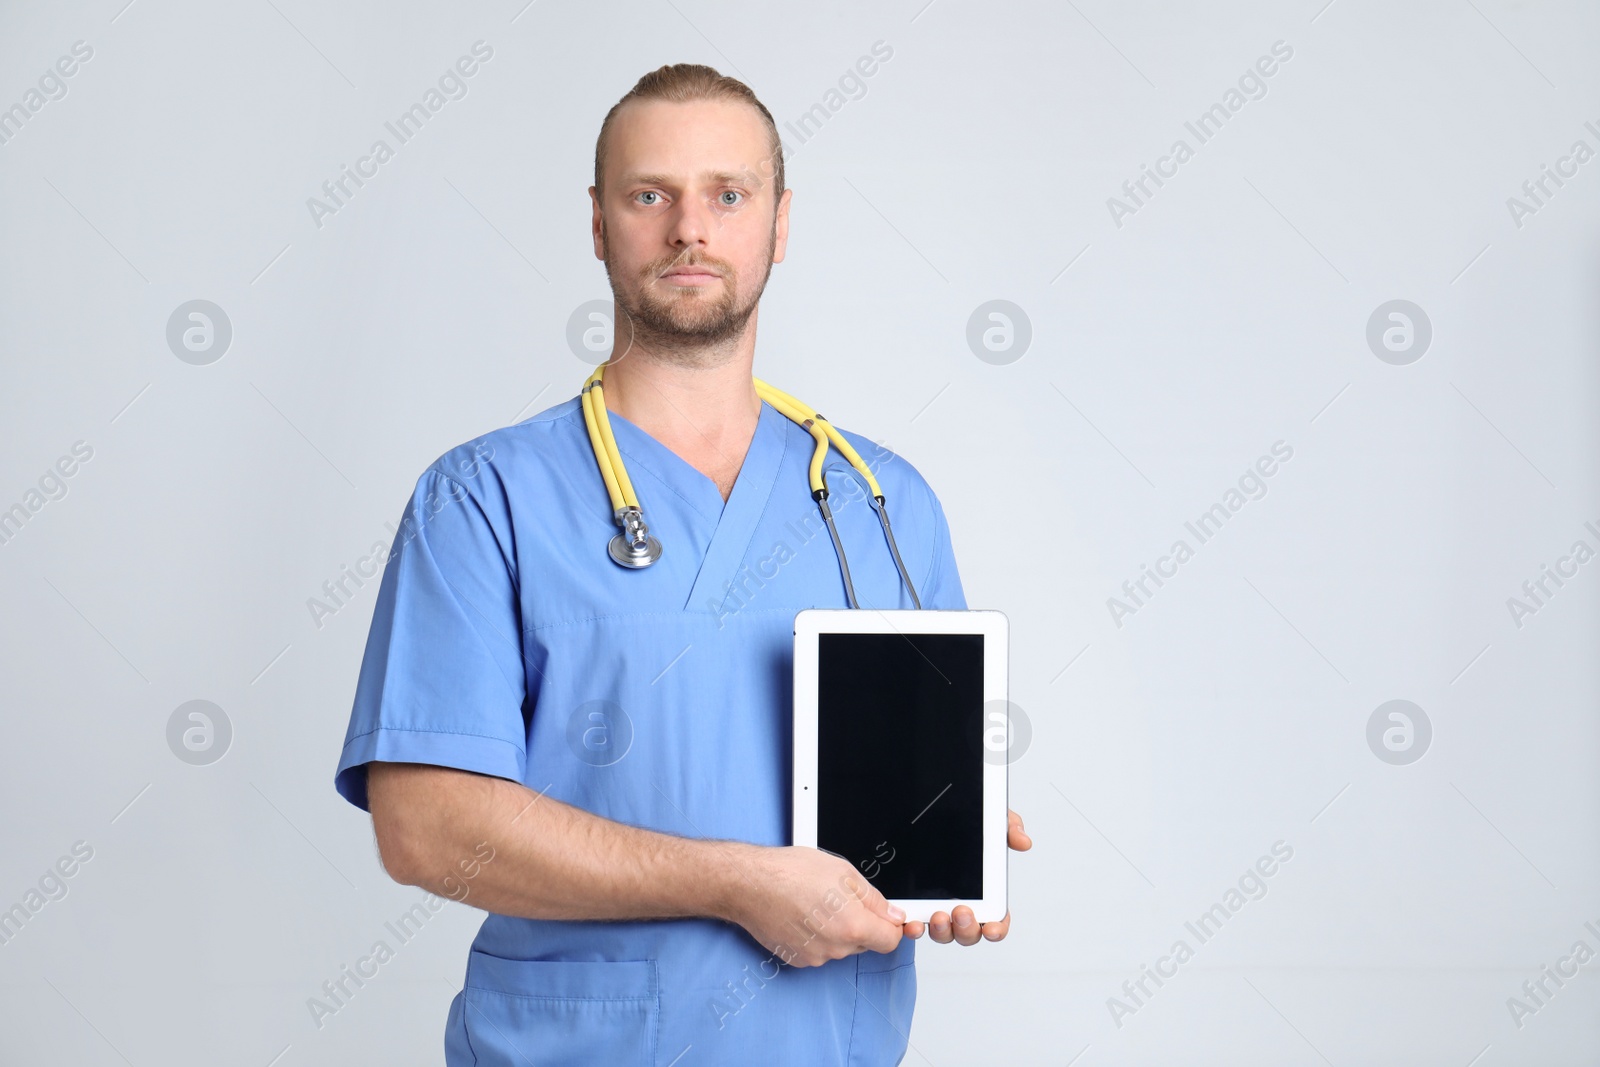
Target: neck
[(713, 408)]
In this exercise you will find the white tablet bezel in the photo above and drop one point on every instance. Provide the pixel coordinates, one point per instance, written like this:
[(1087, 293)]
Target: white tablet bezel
[(809, 624)]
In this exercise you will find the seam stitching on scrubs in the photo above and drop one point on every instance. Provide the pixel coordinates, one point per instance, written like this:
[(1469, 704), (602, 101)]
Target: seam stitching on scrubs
[(534, 420), (420, 730), (516, 597), (941, 535), (669, 486), (783, 451), (510, 565), (645, 615), (635, 459), (705, 515), (855, 1009), (466, 1031), (891, 970), (650, 998)]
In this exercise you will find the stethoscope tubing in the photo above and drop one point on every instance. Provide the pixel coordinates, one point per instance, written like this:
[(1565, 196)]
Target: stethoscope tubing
[(635, 548)]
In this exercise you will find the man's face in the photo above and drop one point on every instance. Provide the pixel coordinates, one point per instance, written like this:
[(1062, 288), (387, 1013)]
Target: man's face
[(688, 229)]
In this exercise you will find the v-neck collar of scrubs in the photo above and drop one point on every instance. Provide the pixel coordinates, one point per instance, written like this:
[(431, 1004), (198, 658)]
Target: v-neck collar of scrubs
[(734, 520)]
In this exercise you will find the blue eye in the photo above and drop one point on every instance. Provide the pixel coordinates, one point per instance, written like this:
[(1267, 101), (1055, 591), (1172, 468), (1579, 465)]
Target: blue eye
[(649, 192), (729, 192)]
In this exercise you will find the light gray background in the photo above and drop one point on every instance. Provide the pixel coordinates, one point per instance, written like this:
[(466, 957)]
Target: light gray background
[(1167, 355)]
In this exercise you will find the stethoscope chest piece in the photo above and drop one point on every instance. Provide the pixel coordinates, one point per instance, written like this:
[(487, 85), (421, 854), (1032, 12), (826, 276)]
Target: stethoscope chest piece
[(633, 547)]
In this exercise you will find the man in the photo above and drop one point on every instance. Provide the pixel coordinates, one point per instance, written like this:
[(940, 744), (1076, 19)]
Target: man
[(598, 756)]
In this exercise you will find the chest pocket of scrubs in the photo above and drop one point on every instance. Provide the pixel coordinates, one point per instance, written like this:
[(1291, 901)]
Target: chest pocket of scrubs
[(561, 1013)]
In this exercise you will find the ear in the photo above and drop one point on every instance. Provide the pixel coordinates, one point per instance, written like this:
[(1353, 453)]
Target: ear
[(781, 224), (597, 225)]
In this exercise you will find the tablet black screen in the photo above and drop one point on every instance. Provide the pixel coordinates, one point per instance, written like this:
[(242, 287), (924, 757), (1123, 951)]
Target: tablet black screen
[(900, 760)]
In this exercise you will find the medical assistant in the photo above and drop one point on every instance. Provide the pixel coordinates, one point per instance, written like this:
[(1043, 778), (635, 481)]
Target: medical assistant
[(505, 641)]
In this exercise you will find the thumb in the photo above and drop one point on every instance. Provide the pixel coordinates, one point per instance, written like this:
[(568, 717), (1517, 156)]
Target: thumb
[(887, 936), (875, 901)]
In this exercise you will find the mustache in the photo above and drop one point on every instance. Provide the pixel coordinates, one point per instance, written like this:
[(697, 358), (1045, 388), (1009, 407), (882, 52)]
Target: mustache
[(682, 259)]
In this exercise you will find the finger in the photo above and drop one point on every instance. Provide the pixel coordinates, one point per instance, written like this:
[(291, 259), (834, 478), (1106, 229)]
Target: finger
[(914, 929), (995, 931), (885, 937), (965, 925), (1016, 836), (939, 927)]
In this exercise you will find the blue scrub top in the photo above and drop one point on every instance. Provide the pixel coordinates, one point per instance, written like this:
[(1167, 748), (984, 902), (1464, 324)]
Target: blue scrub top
[(505, 641)]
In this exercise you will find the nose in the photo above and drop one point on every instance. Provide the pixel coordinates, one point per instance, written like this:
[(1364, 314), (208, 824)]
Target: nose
[(692, 224)]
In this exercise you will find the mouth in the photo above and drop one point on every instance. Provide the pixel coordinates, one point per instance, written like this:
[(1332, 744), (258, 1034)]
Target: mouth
[(691, 276)]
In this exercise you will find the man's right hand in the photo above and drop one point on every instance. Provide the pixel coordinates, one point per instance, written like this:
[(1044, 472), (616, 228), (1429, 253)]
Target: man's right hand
[(807, 906)]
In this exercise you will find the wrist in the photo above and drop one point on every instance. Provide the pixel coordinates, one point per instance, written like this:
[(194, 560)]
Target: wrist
[(727, 873)]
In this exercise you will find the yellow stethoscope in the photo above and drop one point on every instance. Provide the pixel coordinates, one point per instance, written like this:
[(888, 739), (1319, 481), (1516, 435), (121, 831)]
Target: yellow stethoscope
[(634, 547)]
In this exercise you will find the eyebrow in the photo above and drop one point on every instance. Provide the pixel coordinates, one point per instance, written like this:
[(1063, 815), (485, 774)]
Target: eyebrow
[(720, 177)]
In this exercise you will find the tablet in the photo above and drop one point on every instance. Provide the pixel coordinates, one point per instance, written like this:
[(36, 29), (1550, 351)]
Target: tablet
[(900, 741)]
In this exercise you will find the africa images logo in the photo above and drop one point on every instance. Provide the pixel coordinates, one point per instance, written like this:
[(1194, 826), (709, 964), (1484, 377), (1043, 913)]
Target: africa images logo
[(1251, 85), (1251, 885), (452, 85)]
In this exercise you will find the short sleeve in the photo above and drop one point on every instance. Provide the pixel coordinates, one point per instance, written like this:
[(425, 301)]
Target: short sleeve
[(942, 589), (442, 678)]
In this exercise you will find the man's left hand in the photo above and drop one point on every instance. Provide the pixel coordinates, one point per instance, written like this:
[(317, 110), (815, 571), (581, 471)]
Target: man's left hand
[(964, 928)]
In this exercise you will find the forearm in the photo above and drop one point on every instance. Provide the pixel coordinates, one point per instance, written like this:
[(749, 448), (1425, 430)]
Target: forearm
[(534, 856)]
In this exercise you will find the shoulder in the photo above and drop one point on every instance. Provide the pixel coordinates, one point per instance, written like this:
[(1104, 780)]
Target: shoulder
[(484, 465), (902, 483), (465, 501), (906, 492)]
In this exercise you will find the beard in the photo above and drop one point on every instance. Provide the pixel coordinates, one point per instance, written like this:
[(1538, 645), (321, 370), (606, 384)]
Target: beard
[(686, 324)]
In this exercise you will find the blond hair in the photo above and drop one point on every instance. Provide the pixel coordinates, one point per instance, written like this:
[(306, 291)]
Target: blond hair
[(682, 83)]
